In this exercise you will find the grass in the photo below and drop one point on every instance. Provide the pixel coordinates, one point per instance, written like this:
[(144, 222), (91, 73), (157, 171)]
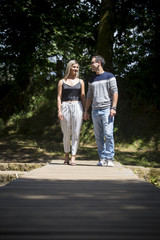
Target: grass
[(136, 158), (138, 154), (144, 161), (34, 136)]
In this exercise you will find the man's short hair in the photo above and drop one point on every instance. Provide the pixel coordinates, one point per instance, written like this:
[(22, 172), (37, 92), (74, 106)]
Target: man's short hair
[(100, 59)]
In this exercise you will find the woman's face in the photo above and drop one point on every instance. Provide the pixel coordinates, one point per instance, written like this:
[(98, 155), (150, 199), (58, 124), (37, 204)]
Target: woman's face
[(74, 69)]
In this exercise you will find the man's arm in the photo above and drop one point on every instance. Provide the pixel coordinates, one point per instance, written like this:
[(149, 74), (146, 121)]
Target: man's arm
[(114, 104)]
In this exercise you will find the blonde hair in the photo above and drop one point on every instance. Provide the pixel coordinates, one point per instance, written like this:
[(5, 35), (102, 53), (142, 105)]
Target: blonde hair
[(68, 68)]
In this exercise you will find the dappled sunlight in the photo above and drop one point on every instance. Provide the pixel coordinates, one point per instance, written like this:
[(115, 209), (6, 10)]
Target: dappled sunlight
[(144, 158), (41, 197), (22, 152)]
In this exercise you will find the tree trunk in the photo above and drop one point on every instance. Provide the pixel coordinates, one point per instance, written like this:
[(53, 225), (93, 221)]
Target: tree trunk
[(25, 69), (106, 32)]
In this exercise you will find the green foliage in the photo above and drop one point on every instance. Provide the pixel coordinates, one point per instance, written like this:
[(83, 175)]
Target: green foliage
[(41, 109), (33, 32), (136, 63), (145, 158), (137, 51), (35, 37), (87, 133), (155, 180), (38, 128), (2, 125), (40, 119)]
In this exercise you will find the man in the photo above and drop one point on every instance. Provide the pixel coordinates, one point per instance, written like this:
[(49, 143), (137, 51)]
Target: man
[(103, 94)]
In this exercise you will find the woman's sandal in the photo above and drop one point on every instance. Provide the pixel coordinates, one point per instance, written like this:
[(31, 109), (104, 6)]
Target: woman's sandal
[(73, 161), (66, 161), (73, 164)]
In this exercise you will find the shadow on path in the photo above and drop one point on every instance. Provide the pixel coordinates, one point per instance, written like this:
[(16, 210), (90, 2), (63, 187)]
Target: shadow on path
[(80, 209)]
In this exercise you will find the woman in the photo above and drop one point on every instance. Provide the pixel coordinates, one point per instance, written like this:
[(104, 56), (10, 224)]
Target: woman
[(70, 103)]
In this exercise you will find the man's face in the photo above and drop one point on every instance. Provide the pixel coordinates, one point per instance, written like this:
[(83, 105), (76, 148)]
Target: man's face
[(94, 65)]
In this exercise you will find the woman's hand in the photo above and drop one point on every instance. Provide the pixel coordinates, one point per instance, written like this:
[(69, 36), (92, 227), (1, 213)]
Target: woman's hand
[(86, 116), (60, 115)]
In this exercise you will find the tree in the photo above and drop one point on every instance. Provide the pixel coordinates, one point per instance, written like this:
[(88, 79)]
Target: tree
[(137, 49), (131, 30), (128, 39), (36, 34), (106, 32)]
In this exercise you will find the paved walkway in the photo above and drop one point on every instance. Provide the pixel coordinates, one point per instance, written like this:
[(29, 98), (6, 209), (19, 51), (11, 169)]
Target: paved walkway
[(79, 202)]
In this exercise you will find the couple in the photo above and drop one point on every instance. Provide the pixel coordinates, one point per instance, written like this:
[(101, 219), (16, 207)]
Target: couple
[(73, 108)]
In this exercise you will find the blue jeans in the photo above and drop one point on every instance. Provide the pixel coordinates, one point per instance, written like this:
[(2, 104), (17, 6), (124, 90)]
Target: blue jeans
[(103, 129)]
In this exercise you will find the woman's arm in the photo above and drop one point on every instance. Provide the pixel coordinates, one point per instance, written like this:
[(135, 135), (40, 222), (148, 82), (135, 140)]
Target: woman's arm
[(82, 93), (59, 101)]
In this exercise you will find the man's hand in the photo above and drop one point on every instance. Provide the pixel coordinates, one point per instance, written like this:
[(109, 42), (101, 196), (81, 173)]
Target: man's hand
[(112, 112)]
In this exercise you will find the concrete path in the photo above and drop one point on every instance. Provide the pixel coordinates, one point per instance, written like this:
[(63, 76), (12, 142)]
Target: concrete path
[(79, 202)]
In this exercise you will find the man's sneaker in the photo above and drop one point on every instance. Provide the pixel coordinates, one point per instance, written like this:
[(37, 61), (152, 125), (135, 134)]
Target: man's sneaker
[(101, 162), (110, 163)]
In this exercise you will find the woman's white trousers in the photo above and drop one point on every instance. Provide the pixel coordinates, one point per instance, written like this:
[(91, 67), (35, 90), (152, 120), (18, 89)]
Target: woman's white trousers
[(71, 125)]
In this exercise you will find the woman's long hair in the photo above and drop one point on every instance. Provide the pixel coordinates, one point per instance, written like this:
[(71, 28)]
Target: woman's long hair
[(68, 68)]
